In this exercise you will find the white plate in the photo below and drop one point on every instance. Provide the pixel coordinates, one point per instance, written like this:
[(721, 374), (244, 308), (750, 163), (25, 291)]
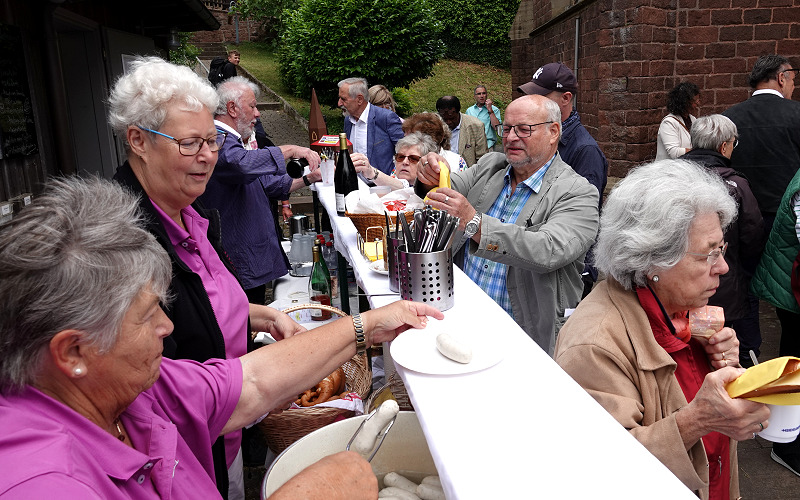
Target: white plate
[(377, 266), (416, 350)]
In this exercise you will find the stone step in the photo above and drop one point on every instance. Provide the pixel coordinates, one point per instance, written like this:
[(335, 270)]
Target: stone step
[(269, 106), (210, 50)]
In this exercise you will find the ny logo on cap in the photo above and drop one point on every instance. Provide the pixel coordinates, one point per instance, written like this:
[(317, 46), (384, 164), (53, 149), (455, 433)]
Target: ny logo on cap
[(558, 85), (538, 72)]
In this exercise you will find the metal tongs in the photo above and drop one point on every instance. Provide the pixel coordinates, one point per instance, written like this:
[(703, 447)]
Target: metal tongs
[(381, 435)]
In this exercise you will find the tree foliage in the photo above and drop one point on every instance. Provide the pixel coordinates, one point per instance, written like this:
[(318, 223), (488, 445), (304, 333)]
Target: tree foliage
[(259, 10), (392, 42), (187, 53), (267, 13)]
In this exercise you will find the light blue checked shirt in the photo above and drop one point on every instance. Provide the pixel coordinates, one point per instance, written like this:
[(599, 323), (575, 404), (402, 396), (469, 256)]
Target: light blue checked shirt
[(488, 274)]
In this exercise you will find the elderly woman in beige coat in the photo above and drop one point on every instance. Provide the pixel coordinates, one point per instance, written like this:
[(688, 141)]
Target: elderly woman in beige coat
[(628, 343)]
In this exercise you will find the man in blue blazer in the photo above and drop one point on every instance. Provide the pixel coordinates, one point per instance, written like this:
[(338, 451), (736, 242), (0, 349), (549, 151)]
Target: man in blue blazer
[(374, 131)]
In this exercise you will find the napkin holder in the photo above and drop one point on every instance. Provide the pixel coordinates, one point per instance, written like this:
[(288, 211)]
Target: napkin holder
[(373, 245)]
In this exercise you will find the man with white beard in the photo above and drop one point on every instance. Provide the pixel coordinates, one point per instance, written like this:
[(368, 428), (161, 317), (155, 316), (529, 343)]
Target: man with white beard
[(242, 184)]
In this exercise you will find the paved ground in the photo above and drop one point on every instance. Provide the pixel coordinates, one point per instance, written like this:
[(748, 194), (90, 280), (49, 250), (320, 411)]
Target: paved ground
[(760, 477), (282, 129)]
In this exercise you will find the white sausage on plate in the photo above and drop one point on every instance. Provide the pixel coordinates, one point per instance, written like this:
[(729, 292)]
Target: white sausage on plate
[(453, 348)]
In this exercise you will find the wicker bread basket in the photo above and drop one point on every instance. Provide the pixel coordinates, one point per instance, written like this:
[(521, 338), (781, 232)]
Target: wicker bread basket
[(395, 389), (364, 221), (284, 428)]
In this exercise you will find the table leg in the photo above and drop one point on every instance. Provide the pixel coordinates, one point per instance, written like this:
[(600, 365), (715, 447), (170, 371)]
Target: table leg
[(344, 293)]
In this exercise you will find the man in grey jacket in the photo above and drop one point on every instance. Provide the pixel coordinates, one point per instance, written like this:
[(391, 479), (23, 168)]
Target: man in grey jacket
[(528, 220)]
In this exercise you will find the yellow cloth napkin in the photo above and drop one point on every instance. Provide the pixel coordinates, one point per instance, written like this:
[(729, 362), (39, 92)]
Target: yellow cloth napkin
[(775, 382)]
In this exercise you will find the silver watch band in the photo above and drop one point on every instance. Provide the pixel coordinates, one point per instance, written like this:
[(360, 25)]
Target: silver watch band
[(475, 222)]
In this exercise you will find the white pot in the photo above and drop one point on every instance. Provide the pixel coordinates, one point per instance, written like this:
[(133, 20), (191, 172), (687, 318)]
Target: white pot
[(404, 451)]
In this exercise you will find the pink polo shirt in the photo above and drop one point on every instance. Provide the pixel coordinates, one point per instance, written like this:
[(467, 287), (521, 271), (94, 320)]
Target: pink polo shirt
[(227, 298), (51, 451)]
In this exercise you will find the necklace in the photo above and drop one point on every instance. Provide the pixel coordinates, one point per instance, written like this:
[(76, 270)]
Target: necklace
[(120, 435)]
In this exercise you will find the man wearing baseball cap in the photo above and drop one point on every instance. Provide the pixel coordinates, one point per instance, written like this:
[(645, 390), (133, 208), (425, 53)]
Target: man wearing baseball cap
[(576, 146)]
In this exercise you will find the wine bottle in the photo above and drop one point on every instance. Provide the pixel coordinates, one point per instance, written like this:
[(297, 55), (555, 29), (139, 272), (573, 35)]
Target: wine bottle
[(345, 179), (319, 286), (329, 256), (295, 167)]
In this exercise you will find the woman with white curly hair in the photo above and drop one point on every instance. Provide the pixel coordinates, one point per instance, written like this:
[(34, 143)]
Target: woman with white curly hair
[(164, 114), (628, 343)]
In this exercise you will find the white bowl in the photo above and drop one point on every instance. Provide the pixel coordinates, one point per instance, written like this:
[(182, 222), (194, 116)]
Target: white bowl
[(404, 451)]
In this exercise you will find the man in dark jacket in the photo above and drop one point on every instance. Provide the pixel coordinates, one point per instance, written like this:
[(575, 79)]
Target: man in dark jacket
[(241, 186), (714, 137), (229, 70), (769, 154), (769, 130)]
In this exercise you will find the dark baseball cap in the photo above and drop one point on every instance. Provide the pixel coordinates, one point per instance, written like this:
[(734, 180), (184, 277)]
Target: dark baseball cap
[(550, 78)]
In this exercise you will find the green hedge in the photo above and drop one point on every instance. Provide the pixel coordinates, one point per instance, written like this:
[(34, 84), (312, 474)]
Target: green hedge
[(497, 55), (391, 42), (477, 31)]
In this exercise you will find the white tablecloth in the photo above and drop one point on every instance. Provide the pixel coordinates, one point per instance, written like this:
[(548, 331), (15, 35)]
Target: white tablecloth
[(522, 428)]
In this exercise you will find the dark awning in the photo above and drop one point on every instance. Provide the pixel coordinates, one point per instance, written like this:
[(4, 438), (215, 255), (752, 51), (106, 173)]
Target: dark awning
[(158, 17), (152, 18)]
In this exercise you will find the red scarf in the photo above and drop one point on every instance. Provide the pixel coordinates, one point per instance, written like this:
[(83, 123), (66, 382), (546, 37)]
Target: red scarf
[(693, 366)]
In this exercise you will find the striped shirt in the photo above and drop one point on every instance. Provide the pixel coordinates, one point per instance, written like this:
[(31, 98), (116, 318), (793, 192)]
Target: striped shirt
[(488, 274)]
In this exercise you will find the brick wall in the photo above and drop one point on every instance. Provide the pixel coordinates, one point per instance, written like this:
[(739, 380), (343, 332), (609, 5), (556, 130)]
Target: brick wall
[(631, 53), (248, 30)]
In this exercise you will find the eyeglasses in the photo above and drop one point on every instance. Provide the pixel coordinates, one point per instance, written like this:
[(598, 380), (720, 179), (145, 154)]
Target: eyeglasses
[(714, 255), (190, 146), (735, 143), (792, 71), (520, 130), (411, 158)]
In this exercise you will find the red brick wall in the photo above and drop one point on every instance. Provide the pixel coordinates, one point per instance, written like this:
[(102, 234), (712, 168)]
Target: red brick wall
[(248, 30), (633, 52)]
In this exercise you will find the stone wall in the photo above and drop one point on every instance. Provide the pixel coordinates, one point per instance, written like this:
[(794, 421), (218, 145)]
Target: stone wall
[(631, 53)]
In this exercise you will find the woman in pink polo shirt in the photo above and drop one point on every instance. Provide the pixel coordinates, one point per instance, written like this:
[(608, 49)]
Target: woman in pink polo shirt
[(165, 115), (88, 407)]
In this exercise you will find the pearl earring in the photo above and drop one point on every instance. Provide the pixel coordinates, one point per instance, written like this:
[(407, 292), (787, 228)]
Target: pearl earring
[(77, 372), (655, 278)]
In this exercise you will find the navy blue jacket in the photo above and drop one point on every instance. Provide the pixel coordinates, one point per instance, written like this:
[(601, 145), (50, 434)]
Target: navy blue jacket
[(581, 152), (384, 129), (239, 189)]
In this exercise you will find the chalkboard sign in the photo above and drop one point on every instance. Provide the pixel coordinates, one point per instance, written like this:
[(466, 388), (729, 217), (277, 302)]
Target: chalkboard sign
[(17, 127)]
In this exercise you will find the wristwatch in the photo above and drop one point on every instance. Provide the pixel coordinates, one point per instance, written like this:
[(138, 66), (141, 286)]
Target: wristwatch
[(472, 226), (377, 172), (306, 181), (361, 341)]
